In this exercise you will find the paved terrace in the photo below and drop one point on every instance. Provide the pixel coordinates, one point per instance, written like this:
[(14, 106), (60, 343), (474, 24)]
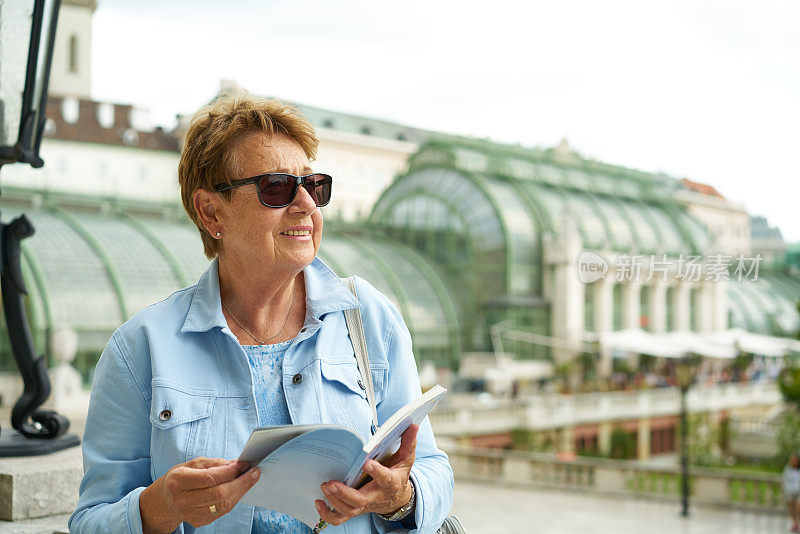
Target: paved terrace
[(467, 416), (502, 510), (490, 506)]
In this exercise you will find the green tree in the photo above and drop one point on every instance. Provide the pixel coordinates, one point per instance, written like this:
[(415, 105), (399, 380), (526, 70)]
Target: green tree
[(788, 435), (789, 384), (704, 441), (623, 444)]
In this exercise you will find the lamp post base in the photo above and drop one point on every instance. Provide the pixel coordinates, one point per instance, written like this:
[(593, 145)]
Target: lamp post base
[(12, 443)]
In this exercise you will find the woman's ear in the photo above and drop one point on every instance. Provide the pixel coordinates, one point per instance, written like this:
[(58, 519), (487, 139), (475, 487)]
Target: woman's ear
[(206, 204)]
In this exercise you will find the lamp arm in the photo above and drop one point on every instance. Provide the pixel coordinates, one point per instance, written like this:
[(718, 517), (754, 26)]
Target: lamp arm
[(33, 367)]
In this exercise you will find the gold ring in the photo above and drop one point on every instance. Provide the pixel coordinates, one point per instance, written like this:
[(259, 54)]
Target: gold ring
[(213, 508)]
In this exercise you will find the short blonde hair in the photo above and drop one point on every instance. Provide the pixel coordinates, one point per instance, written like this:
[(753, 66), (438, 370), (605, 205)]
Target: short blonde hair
[(207, 156)]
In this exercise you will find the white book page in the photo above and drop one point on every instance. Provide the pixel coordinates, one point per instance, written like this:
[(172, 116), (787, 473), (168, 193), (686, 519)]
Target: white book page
[(291, 476), (387, 439), (266, 439)]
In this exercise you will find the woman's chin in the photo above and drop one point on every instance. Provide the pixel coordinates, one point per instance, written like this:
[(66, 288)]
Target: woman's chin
[(299, 258)]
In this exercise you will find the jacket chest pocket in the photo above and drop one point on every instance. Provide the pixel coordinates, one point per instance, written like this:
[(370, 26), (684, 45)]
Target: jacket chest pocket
[(181, 422), (346, 393)]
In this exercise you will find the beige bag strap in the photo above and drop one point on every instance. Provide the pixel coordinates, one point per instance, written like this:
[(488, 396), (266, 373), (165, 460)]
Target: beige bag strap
[(356, 328)]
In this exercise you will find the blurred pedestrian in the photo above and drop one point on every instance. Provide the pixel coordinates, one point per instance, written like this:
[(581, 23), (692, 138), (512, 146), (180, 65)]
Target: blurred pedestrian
[(791, 489)]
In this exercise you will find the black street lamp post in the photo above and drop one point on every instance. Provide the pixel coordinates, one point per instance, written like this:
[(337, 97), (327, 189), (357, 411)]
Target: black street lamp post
[(37, 431), (684, 378)]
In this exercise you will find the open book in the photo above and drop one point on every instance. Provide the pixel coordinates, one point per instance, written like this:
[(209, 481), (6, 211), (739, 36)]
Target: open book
[(296, 459)]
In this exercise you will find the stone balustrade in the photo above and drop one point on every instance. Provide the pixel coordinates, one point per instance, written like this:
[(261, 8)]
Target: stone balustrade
[(555, 411), (740, 490)]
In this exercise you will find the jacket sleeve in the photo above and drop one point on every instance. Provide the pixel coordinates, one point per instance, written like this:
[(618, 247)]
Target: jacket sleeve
[(431, 474), (116, 449)]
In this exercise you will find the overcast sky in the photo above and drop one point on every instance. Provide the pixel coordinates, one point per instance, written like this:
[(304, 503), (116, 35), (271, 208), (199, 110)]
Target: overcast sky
[(708, 90)]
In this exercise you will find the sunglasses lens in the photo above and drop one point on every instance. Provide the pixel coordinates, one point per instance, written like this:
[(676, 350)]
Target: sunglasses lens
[(319, 187), (275, 190)]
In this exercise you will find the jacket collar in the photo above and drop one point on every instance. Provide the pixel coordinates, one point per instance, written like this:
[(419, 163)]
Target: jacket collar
[(325, 293)]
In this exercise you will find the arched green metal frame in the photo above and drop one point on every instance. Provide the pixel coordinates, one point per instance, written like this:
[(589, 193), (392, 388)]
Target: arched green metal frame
[(389, 275), (435, 280), (375, 215), (95, 245), (177, 270)]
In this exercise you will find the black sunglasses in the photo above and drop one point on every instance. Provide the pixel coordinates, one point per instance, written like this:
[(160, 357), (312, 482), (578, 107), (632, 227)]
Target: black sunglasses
[(278, 189)]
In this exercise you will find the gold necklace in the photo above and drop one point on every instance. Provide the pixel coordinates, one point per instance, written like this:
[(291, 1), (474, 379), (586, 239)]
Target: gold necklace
[(294, 289)]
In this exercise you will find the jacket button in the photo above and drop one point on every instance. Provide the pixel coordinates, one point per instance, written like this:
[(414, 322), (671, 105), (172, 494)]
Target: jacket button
[(165, 415), (361, 384), (296, 379)]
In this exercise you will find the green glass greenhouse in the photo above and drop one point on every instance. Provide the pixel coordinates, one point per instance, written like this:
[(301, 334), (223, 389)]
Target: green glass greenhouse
[(484, 212), (468, 237), (93, 263)]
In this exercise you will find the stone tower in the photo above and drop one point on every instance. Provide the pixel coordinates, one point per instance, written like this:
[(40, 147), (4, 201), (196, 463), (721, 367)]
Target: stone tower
[(71, 73)]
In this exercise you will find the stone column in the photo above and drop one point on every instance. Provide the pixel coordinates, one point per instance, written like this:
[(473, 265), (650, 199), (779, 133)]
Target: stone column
[(631, 304), (604, 437), (67, 394), (643, 439), (720, 305), (658, 306), (566, 439), (568, 292), (604, 320), (631, 312), (704, 313), (680, 306)]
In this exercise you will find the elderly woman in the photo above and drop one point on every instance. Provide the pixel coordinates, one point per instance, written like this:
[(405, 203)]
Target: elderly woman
[(260, 340)]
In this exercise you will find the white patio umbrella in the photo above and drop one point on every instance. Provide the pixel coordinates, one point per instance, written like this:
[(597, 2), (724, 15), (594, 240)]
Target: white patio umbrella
[(639, 341), (698, 344), (754, 343)]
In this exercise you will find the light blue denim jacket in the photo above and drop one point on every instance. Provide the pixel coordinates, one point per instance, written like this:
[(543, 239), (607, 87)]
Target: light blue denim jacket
[(179, 355)]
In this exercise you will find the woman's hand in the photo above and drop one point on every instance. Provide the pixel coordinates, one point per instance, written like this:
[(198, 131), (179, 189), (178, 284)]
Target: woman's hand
[(197, 492), (388, 490)]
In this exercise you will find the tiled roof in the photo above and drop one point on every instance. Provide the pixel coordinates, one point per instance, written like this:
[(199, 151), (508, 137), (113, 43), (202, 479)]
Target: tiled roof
[(703, 189)]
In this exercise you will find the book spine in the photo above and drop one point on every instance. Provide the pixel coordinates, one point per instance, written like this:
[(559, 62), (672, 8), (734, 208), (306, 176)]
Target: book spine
[(355, 469)]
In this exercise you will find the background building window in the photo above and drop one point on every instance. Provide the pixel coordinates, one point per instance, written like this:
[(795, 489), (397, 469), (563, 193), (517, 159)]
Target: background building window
[(73, 53)]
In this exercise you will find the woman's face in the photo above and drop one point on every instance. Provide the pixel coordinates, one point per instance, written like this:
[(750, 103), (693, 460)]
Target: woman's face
[(252, 232)]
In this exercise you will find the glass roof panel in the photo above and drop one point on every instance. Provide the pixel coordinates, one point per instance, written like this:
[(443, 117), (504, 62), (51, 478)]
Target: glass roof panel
[(750, 306), (550, 174), (462, 193), (695, 229), (622, 234), (427, 312), (671, 238), (471, 160), (343, 253), (775, 303), (648, 237), (145, 276), (80, 291), (585, 210), (554, 202), (427, 320), (183, 240), (522, 233)]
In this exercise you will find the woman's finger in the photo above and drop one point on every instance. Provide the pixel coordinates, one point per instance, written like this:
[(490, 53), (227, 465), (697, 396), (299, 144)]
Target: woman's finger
[(407, 450), (332, 517), (343, 507), (185, 478), (223, 496), (383, 476), (347, 500)]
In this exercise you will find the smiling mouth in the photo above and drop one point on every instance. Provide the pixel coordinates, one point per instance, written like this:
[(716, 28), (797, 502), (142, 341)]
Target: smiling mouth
[(296, 232)]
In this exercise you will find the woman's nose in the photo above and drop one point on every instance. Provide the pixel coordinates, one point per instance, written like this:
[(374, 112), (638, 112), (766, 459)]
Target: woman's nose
[(303, 202)]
